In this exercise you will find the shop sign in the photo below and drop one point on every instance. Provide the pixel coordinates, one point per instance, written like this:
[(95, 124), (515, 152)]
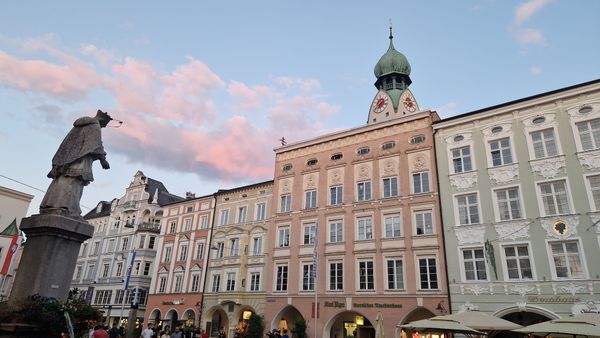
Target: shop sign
[(173, 302), (552, 299), (377, 305), (335, 304)]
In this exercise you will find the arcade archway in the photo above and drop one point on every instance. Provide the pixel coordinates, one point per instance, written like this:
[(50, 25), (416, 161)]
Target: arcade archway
[(218, 319), (171, 318), (349, 324), (285, 319)]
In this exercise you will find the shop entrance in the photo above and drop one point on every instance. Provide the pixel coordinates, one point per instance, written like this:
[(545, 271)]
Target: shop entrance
[(350, 324), (285, 319)]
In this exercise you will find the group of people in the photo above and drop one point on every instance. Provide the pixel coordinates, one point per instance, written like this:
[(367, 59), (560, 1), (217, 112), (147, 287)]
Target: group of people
[(152, 332), (101, 331), (282, 334)]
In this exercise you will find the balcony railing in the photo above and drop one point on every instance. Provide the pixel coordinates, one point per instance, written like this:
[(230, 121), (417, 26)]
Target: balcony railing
[(131, 205), (149, 226)]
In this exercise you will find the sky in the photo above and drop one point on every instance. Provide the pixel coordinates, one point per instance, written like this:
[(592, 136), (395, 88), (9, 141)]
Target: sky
[(206, 88)]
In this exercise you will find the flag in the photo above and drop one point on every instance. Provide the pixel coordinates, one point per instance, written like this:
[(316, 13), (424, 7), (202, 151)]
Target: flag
[(11, 230), (315, 252), (129, 270)]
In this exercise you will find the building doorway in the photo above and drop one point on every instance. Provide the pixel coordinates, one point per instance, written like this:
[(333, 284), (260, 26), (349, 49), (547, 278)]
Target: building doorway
[(349, 324), (285, 319), (218, 320)]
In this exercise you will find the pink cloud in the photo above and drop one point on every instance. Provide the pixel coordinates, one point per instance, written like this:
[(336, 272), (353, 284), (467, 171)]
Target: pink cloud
[(528, 9), (523, 13), (247, 99), (536, 71)]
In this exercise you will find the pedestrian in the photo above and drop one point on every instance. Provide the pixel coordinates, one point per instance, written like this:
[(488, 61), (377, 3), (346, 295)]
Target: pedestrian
[(99, 332), (203, 334), (285, 335), (148, 332), (177, 333), (166, 333), (114, 332), (222, 333)]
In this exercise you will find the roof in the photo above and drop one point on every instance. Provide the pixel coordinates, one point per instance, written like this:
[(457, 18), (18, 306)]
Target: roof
[(104, 211), (245, 187), (164, 196), (392, 62)]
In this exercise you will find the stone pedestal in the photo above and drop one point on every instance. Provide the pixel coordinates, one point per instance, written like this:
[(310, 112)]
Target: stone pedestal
[(49, 255)]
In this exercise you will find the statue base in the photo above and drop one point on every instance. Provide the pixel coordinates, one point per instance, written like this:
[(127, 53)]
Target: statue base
[(49, 256)]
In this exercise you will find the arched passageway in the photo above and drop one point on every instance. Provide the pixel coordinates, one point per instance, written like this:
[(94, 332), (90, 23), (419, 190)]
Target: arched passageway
[(349, 324), (285, 319)]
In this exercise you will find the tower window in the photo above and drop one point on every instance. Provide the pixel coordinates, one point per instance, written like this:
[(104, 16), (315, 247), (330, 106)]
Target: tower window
[(287, 167), (337, 156), (312, 161)]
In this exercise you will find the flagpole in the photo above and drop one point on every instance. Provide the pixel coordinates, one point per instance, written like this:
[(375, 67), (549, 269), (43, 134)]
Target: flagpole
[(315, 267), (126, 286)]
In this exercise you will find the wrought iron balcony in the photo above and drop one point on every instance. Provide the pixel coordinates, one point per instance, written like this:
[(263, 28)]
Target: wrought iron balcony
[(149, 226)]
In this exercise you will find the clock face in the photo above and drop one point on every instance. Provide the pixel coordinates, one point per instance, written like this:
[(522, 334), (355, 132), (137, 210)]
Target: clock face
[(409, 102), (380, 103)]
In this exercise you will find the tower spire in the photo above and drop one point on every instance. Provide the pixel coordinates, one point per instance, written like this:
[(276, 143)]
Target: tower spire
[(391, 36)]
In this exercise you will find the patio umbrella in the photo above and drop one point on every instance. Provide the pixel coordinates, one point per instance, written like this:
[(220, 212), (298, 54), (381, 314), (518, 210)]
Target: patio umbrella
[(573, 326), (379, 326), (482, 321), (437, 324)]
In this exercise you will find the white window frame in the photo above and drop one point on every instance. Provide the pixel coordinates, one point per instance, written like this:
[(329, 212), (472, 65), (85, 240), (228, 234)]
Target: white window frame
[(242, 214), (231, 281), (195, 282), (187, 223), (285, 278), (203, 222), (368, 283), (257, 245), (504, 259), (541, 201), (384, 223), (367, 193), (416, 222), (310, 199), (284, 231), (285, 203), (338, 235), (387, 275), (329, 275), (310, 230), (457, 208), (463, 269), (462, 158), (421, 188), (336, 195), (216, 282), (501, 150), (224, 217), (418, 271), (234, 250), (307, 280), (389, 187), (581, 254), (590, 192), (497, 204), (261, 211), (254, 281), (367, 235)]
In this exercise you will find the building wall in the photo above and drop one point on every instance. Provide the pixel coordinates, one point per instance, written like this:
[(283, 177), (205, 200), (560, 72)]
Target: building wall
[(235, 276), (179, 277), (13, 205), (528, 234), (315, 166)]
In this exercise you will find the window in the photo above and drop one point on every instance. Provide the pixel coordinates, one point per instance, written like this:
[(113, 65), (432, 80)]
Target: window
[(388, 145), (500, 152), (567, 259), (363, 151), (162, 284), (589, 134), (242, 213), (147, 266), (287, 167), (518, 265), (178, 282), (283, 238), (235, 247), (77, 271), (103, 297), (183, 252), (395, 274), (554, 197), (365, 228), (167, 255), (474, 264), (151, 242), (595, 190), (336, 195), (194, 287), (95, 249), (509, 206), (261, 210), (257, 245), (421, 182), (220, 249), (203, 222), (417, 139), (336, 231), (255, 281), (461, 159), (105, 269), (189, 209), (468, 210), (172, 227), (364, 191), (312, 161), (392, 226), (309, 234), (310, 199), (286, 203), (497, 129), (308, 278), (366, 280), (282, 278), (428, 273), (136, 268), (124, 243), (544, 144), (117, 223), (187, 224), (90, 271), (199, 250), (119, 271), (230, 281), (336, 276), (113, 242), (216, 282), (390, 187), (337, 156), (224, 216)]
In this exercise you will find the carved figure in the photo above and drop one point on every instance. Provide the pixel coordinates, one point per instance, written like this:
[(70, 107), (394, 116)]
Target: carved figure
[(72, 165)]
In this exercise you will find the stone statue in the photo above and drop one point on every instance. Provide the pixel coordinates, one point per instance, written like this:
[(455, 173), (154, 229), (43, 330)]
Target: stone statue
[(72, 166)]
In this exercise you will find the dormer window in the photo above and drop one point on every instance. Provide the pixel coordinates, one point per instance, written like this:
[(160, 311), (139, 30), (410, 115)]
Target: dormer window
[(99, 208), (388, 145), (287, 167), (311, 162), (363, 151), (337, 156)]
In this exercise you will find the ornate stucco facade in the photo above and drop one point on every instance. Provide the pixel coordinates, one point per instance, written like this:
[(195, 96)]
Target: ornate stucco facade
[(519, 187)]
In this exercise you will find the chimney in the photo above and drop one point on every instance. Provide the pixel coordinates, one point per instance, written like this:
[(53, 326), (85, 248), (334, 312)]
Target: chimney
[(189, 195)]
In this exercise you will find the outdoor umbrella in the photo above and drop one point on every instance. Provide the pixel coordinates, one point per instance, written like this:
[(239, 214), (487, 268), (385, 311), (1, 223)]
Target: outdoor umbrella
[(437, 324), (482, 321), (379, 326), (572, 326)]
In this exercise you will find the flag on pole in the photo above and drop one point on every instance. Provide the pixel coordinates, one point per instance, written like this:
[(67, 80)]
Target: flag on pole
[(315, 252), (11, 230), (129, 270)]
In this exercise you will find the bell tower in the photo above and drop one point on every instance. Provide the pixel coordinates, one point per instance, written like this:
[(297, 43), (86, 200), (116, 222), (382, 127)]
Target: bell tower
[(393, 99)]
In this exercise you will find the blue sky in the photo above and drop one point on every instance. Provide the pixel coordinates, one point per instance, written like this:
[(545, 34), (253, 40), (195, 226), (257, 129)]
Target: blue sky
[(207, 88)]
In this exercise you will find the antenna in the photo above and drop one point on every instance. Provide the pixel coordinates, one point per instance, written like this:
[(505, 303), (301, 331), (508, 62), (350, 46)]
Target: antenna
[(391, 36)]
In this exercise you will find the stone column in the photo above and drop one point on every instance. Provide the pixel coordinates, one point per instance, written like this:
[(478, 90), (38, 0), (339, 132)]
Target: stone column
[(49, 256)]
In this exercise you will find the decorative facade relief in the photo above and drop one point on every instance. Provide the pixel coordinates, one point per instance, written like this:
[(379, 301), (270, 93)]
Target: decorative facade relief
[(522, 289), (463, 181), (590, 159), (468, 306), (560, 227), (335, 177), (476, 289), (522, 306), (512, 230), (504, 174), (571, 288), (310, 182), (389, 168), (286, 186), (420, 163), (466, 234), (364, 172), (548, 168)]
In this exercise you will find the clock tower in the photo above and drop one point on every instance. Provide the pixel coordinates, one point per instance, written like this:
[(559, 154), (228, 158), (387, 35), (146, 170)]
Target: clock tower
[(393, 99)]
